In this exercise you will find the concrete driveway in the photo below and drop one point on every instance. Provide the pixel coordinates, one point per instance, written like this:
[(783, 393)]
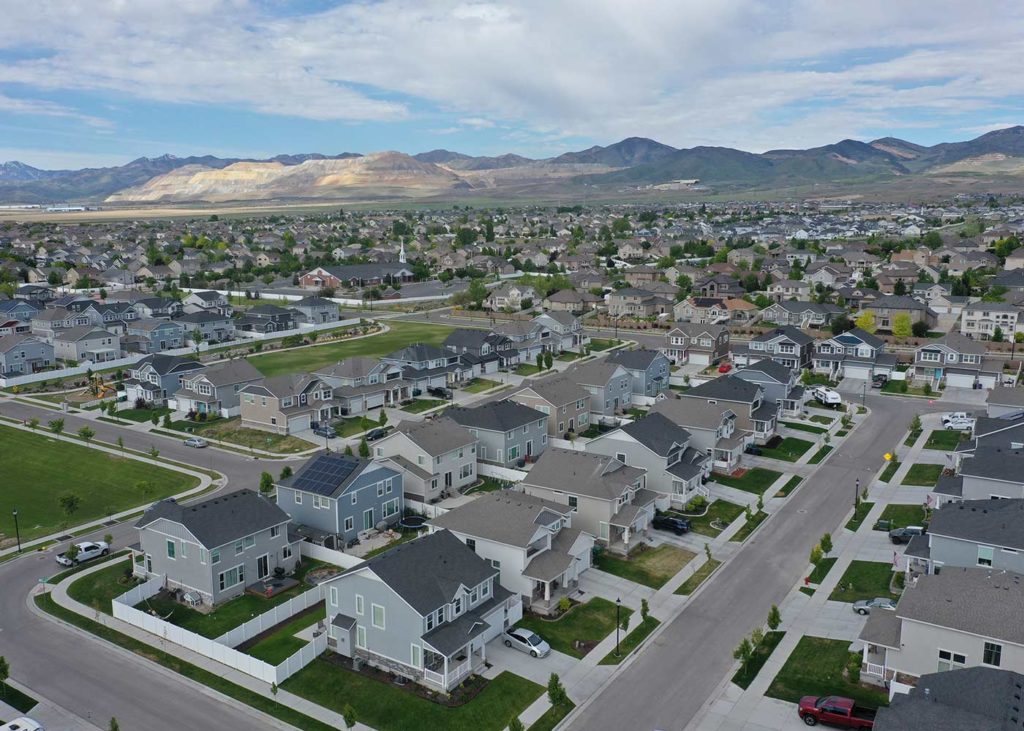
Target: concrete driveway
[(537, 669), (975, 396)]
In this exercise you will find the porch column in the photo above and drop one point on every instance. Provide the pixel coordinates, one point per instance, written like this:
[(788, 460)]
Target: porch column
[(547, 591), (445, 681), (625, 537)]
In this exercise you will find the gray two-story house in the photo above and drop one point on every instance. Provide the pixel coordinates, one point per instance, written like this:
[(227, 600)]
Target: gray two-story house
[(361, 383), (509, 433), (154, 336), (436, 457), (24, 354), (158, 376), (855, 353), (648, 370), (778, 382), (217, 389), (86, 343), (608, 384), (216, 548), (424, 610), (341, 497), (787, 345), (213, 326), (754, 412), (315, 310)]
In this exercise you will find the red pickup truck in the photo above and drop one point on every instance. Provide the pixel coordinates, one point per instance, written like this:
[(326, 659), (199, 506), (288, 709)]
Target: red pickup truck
[(835, 711)]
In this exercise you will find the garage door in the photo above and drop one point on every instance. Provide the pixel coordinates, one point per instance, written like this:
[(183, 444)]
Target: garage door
[(298, 423), (960, 380), (857, 371), (700, 358)]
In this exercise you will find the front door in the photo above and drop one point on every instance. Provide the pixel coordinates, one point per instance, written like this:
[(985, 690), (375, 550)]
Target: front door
[(263, 567), (447, 479), (529, 448), (368, 519)]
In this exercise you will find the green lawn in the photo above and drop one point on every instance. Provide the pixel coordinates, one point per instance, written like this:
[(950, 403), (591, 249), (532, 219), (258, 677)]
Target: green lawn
[(897, 388), (863, 508), (302, 360), (16, 699), (140, 415), (422, 404), (864, 580), (480, 384), (487, 484), (37, 469), (749, 527), (282, 644), (747, 672), (900, 516), (945, 440), (912, 436), (648, 566), (552, 717), (232, 431), (921, 474), (699, 576), (755, 480), (804, 427), (98, 589), (353, 425), (790, 449), (820, 454), (821, 569), (599, 344), (568, 357), (631, 641), (890, 470), (590, 622), (789, 486), (807, 590), (816, 667), (527, 369), (820, 419), (721, 512)]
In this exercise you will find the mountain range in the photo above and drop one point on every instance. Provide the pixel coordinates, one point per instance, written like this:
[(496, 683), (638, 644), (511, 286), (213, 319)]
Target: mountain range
[(633, 164)]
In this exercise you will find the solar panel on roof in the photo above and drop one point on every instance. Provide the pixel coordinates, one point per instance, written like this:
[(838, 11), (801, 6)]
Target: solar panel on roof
[(324, 474)]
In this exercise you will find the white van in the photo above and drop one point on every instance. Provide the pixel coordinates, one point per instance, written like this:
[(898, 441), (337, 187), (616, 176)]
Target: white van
[(22, 724)]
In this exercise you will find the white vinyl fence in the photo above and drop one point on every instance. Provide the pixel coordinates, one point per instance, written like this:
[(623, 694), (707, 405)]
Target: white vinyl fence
[(426, 509), (271, 618), (328, 555), (124, 609), (501, 473)]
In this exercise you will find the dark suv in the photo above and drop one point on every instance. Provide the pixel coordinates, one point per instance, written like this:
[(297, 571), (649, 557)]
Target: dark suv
[(440, 392), (903, 535), (679, 526)]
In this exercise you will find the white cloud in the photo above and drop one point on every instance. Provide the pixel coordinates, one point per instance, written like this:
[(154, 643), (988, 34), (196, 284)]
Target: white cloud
[(43, 108), (748, 73)]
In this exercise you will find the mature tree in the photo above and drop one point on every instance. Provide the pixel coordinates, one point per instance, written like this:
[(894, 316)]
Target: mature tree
[(902, 327), (899, 289), (919, 329), (866, 322), (840, 324)]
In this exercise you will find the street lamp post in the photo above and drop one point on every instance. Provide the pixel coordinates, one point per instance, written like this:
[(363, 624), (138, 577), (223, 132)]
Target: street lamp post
[(17, 531), (856, 494), (618, 624), (864, 394)]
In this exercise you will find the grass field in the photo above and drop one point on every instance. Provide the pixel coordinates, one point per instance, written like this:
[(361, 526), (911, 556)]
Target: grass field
[(649, 566), (599, 344), (699, 577), (388, 708), (864, 580), (232, 431), (755, 480), (527, 369), (37, 469), (721, 511), (790, 449), (590, 622), (282, 644), (480, 384), (925, 475), (945, 440), (307, 359), (422, 404), (816, 667), (140, 415), (901, 516)]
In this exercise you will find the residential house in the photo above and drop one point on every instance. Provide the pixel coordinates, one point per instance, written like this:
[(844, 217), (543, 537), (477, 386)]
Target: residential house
[(957, 361), (855, 353), (640, 275), (1005, 402), (510, 296), (86, 343), (566, 331), (24, 354), (746, 399), (609, 385), (703, 310), (400, 613), (158, 376), (662, 448), (154, 336), (648, 370), (857, 297), (828, 274), (361, 383), (217, 548), (216, 390), (356, 275), (610, 498), (212, 326), (206, 301), (719, 285), (436, 457), (566, 403), (692, 342), (316, 310), (508, 433), (886, 309), (639, 303), (779, 383), (788, 289), (286, 404), (266, 319), (531, 542), (336, 499), (983, 320), (149, 308), (801, 314), (571, 300), (53, 320), (488, 352), (425, 366), (787, 345)]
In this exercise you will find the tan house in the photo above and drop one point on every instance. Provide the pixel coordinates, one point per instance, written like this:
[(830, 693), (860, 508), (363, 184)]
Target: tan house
[(566, 403), (286, 404)]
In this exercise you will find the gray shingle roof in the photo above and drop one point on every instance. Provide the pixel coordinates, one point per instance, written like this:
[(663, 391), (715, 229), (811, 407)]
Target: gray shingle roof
[(639, 359), (220, 520), (499, 416), (1002, 396), (559, 390), (594, 373), (692, 413), (994, 463), (657, 432), (970, 699), (436, 436), (795, 334), (725, 388), (582, 473), (774, 370), (992, 522), (507, 517), (230, 372)]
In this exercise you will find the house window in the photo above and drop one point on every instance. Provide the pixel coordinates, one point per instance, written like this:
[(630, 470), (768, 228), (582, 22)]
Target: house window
[(377, 618), (380, 489), (231, 577), (360, 636), (951, 660), (298, 498), (457, 606), (321, 502), (621, 456), (416, 656), (275, 531), (239, 547), (215, 556), (334, 596), (513, 452), (353, 498), (993, 654), (359, 604), (430, 621), (286, 552), (466, 471), (203, 555), (250, 541), (474, 596), (184, 549), (171, 547), (573, 502), (485, 590), (390, 508), (389, 485), (985, 555), (496, 564), (471, 544), (349, 523)]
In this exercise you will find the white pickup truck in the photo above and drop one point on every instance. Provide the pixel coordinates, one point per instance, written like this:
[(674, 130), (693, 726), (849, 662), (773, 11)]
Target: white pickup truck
[(86, 552)]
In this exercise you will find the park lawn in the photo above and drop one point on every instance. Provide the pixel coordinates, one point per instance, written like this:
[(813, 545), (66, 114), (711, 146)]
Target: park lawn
[(232, 431), (480, 384), (748, 671), (789, 486), (590, 622), (864, 580), (863, 508), (804, 427), (890, 470), (755, 480), (790, 449), (821, 569), (921, 474), (304, 360), (648, 566), (37, 469), (945, 440), (749, 527), (141, 415), (722, 511), (552, 717), (900, 516), (820, 454), (600, 344), (389, 708), (816, 667), (282, 644), (699, 576), (631, 641), (422, 404)]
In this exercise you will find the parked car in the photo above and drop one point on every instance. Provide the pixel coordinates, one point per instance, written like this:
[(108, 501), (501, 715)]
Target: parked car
[(903, 535), (24, 723), (878, 380), (959, 424), (327, 432), (376, 433), (955, 416), (679, 526), (526, 640), (440, 392), (725, 368), (753, 450), (827, 396), (195, 442), (834, 710), (864, 606), (87, 551)]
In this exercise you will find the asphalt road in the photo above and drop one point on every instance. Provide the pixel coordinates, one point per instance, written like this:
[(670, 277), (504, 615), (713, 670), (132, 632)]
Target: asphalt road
[(88, 677), (674, 676)]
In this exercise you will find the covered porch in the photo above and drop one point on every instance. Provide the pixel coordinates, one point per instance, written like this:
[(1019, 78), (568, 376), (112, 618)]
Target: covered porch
[(554, 576), (448, 658)]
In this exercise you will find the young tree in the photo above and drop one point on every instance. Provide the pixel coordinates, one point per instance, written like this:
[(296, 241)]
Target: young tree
[(364, 448), (816, 555), (69, 503), (5, 673), (540, 361), (515, 724), (743, 651), (774, 617), (556, 691), (624, 624), (915, 423), (707, 550), (348, 714), (348, 450), (645, 609), (33, 423), (919, 329), (901, 325), (113, 725), (866, 322), (266, 484), (120, 445), (826, 543), (56, 425), (286, 471), (548, 360), (72, 553), (197, 338), (383, 420), (86, 433), (997, 335), (756, 637)]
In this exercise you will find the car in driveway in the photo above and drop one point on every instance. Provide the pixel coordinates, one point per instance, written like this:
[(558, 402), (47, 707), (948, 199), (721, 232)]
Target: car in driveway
[(528, 641), (903, 535), (955, 416), (864, 606), (679, 526), (378, 432), (87, 551), (196, 443), (878, 380), (327, 432), (725, 368), (959, 424), (440, 392)]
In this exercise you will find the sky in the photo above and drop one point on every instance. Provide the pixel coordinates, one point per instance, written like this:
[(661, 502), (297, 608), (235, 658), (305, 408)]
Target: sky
[(101, 83)]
